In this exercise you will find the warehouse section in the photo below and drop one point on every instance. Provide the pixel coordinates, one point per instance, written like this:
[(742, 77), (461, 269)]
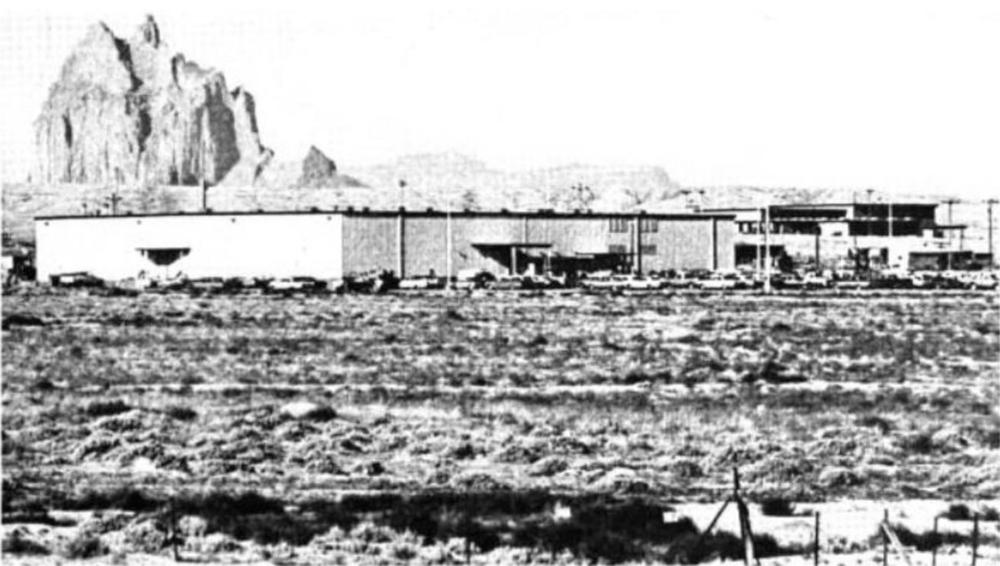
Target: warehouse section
[(333, 244), (166, 246)]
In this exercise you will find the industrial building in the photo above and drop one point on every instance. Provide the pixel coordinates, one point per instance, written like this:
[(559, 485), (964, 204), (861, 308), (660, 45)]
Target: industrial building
[(337, 243), (849, 235)]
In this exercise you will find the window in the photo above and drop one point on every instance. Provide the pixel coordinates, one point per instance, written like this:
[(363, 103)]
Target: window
[(649, 225), (617, 249), (648, 249), (619, 224)]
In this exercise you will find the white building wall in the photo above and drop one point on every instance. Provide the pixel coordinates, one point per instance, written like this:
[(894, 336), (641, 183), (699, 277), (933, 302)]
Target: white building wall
[(256, 245)]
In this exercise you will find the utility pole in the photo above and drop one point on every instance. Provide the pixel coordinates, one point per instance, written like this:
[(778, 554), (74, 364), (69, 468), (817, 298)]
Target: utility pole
[(871, 216), (989, 224), (758, 231), (890, 218), (402, 193), (112, 202), (851, 226), (448, 249), (767, 249), (951, 221)]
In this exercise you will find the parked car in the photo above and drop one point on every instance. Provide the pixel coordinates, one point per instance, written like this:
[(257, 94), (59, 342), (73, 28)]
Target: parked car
[(602, 280), (921, 281), (76, 279), (293, 284), (852, 283), (546, 281), (643, 283), (426, 282), (816, 281), (719, 282), (982, 280), (206, 284), (473, 279), (680, 280), (511, 283)]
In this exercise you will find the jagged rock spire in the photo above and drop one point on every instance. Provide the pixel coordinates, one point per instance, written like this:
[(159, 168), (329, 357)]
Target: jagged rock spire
[(130, 112)]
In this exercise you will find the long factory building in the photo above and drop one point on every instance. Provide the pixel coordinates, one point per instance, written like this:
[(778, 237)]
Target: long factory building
[(343, 242)]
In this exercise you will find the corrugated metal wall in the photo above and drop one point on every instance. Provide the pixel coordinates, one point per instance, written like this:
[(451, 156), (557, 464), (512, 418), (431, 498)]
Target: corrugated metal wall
[(372, 242)]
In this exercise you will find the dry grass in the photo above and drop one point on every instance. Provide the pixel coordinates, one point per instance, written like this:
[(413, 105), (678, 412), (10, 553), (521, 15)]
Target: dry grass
[(657, 397)]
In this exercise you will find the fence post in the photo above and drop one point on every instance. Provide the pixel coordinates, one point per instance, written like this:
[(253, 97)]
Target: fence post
[(975, 537), (816, 542), (937, 543), (468, 528), (173, 530), (885, 538)]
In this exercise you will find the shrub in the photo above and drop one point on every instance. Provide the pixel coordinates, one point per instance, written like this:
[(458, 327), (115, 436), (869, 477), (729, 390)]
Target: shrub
[(875, 421), (692, 548), (19, 319), (16, 543), (927, 540), (146, 536), (83, 545), (371, 533), (182, 413), (125, 498), (106, 408), (406, 546), (777, 507), (918, 443), (988, 513), (958, 512)]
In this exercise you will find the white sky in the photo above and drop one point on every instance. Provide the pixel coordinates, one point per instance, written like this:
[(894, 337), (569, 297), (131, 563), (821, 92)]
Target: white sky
[(899, 96)]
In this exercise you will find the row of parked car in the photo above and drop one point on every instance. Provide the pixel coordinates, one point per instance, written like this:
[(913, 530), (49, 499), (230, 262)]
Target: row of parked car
[(735, 280), (714, 281), (597, 281), (196, 284)]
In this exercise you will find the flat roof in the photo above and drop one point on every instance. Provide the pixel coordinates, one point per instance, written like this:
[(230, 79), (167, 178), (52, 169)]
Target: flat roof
[(419, 213), (817, 205)]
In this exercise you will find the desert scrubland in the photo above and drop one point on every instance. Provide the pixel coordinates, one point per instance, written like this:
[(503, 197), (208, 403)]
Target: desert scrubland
[(514, 427)]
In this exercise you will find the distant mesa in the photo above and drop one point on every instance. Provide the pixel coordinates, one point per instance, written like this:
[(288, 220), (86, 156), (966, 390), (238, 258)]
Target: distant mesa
[(319, 171), (130, 111)]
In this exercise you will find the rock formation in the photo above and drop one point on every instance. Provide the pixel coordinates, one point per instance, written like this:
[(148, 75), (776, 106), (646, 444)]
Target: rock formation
[(317, 168), (132, 112), (320, 172)]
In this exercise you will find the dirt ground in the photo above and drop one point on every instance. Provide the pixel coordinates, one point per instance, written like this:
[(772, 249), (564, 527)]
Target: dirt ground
[(127, 403)]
